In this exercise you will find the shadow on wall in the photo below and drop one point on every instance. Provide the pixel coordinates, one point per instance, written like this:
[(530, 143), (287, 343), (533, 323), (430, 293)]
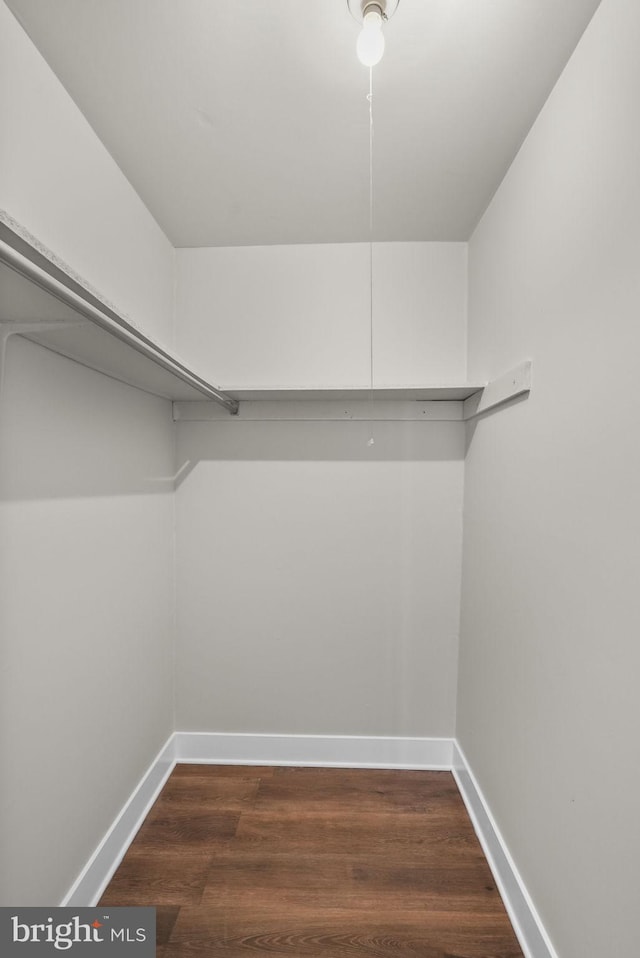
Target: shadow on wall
[(472, 424), (70, 432), (317, 442)]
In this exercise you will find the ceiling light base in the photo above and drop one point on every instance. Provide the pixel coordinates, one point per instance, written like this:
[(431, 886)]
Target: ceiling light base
[(357, 8)]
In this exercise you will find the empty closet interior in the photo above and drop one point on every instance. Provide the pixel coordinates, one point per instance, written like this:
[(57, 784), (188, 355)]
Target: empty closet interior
[(327, 502)]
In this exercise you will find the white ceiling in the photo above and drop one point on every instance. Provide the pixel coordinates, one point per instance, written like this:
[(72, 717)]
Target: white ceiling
[(246, 121)]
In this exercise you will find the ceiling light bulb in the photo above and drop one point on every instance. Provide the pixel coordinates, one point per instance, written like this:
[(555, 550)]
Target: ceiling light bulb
[(370, 46)]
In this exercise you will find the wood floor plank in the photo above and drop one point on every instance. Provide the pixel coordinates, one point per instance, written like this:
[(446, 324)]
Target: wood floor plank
[(338, 932), (216, 793), (362, 789), (155, 876), (197, 827), (429, 837), (217, 772), (253, 873), (166, 916), (314, 863)]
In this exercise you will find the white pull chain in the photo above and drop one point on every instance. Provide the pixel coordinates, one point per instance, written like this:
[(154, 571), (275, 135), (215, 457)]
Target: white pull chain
[(371, 440)]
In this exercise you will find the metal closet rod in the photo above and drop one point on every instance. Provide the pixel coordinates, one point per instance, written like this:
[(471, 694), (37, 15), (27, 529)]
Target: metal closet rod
[(20, 256)]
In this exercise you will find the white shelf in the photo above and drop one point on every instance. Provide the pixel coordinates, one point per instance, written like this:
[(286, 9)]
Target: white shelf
[(448, 403), (314, 404), (43, 300), (352, 393)]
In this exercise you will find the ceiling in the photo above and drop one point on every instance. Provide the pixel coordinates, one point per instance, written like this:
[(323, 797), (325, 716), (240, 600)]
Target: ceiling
[(246, 122)]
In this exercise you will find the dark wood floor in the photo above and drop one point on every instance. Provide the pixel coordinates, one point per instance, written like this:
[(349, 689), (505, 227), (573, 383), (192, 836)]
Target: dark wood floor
[(306, 862)]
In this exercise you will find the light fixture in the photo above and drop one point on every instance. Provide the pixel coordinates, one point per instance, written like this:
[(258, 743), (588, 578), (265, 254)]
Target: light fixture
[(370, 45), (372, 14)]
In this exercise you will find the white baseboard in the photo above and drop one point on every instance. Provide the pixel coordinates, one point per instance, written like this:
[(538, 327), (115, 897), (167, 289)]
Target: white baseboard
[(244, 749), (341, 751), (526, 922), (97, 873), (346, 751)]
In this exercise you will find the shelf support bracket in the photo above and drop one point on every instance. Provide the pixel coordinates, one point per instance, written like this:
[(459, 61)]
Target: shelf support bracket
[(8, 329), (515, 383)]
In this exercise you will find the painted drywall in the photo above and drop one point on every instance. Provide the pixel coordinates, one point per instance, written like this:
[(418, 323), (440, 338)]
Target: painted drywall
[(58, 181), (86, 510), (86, 611), (318, 577), (549, 658), (301, 316)]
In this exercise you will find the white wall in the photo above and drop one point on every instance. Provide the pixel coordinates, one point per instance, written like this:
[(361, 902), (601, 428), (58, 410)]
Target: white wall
[(58, 181), (86, 611), (86, 510), (318, 577), (548, 701), (300, 315)]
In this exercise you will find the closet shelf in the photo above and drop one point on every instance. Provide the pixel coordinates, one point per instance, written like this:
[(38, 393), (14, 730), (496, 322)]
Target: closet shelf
[(350, 393), (45, 301), (384, 403)]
